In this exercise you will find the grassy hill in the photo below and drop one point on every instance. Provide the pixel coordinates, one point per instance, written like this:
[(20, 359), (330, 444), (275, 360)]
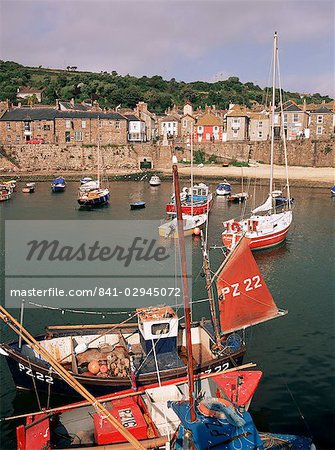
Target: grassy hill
[(111, 89)]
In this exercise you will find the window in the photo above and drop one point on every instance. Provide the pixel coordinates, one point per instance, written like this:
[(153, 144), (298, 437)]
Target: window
[(101, 123), (216, 128), (117, 124), (319, 119), (285, 118), (319, 130), (236, 121), (8, 138), (260, 125), (260, 134), (208, 137), (160, 328), (78, 136), (68, 123), (295, 117), (46, 127), (184, 123), (67, 136), (235, 132), (83, 124), (8, 126), (17, 138), (200, 129)]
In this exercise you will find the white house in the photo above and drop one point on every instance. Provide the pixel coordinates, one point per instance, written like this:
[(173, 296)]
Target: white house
[(136, 129), (169, 125)]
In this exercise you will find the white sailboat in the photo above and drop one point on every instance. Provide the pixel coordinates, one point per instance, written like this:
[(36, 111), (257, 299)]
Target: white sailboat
[(266, 227), (91, 194)]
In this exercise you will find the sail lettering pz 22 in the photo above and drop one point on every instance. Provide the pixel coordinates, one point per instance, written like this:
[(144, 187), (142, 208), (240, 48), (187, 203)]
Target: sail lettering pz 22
[(139, 250)]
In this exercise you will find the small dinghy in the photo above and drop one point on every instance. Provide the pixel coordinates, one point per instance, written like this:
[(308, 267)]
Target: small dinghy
[(237, 198), (85, 180), (155, 181), (137, 205), (29, 188), (332, 191)]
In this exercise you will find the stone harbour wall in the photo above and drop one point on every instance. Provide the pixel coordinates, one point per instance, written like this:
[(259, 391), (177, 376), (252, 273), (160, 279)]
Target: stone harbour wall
[(53, 157)]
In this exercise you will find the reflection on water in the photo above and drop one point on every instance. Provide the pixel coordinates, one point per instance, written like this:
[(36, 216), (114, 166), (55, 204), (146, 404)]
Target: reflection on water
[(295, 352)]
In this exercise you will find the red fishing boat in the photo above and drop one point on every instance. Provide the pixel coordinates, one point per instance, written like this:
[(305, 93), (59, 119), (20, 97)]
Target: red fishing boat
[(194, 201)]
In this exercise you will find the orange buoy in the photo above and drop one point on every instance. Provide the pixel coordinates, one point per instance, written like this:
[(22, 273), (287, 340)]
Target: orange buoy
[(196, 231), (103, 368), (94, 367)]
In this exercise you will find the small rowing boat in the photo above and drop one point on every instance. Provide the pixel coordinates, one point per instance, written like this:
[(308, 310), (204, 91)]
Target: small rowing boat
[(137, 205)]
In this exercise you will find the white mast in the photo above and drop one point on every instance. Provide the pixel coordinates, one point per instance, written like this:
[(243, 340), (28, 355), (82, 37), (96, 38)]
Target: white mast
[(274, 63), (99, 152), (191, 168)]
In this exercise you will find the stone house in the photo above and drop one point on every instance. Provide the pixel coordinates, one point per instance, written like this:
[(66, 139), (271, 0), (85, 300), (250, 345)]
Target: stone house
[(237, 123), (259, 126), (20, 125), (170, 126), (141, 111), (27, 92), (208, 128), (321, 123), (187, 123), (295, 121), (136, 129)]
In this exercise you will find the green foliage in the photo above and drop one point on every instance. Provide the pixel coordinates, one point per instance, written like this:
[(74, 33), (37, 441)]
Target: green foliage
[(327, 149), (111, 89), (199, 157), (212, 159), (239, 163)]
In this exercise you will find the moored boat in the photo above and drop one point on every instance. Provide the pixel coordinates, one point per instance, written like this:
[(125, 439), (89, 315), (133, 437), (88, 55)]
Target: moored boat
[(240, 197), (155, 181), (137, 205), (267, 226), (332, 191), (6, 192), (29, 188), (85, 180), (94, 198), (191, 224), (58, 184), (194, 201), (223, 188)]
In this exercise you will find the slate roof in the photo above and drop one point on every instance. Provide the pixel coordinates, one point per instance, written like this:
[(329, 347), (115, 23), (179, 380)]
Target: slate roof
[(29, 90), (289, 106), (321, 110), (75, 107), (20, 114), (170, 118), (132, 117)]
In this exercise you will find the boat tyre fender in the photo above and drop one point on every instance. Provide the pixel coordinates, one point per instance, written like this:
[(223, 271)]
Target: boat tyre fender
[(236, 227)]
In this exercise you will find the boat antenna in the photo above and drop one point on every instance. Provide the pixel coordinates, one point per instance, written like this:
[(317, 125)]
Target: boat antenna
[(181, 240), (273, 106), (66, 376)]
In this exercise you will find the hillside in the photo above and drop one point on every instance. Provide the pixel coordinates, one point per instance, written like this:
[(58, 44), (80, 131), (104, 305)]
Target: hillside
[(111, 89)]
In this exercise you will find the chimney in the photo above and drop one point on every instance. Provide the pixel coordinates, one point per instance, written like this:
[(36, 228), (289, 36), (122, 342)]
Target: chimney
[(72, 102), (304, 105), (19, 105), (57, 104)]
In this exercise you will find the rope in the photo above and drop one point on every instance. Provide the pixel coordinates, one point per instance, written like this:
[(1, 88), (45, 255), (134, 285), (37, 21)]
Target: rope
[(34, 383), (78, 311)]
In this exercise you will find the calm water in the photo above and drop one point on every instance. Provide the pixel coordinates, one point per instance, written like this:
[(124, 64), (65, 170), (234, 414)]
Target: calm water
[(295, 352)]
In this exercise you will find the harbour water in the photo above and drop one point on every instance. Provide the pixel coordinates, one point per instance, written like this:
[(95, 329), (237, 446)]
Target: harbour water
[(295, 352)]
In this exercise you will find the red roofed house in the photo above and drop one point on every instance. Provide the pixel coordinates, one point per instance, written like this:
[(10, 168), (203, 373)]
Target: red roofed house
[(208, 128)]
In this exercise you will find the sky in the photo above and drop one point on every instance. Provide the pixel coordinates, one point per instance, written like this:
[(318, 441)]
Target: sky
[(183, 39)]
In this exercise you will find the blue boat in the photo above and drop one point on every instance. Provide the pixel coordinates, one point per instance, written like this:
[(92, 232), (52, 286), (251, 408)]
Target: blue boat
[(332, 191), (58, 184), (94, 198), (219, 424), (137, 205), (223, 188)]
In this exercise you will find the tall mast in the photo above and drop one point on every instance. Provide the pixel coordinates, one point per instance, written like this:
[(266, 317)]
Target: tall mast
[(190, 372), (66, 376), (99, 151), (212, 306), (273, 105), (192, 168)]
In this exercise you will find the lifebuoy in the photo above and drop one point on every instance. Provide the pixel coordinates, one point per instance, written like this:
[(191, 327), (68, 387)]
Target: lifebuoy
[(235, 226)]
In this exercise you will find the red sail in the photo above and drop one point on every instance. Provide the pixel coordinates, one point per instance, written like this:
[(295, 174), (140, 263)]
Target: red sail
[(244, 298)]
